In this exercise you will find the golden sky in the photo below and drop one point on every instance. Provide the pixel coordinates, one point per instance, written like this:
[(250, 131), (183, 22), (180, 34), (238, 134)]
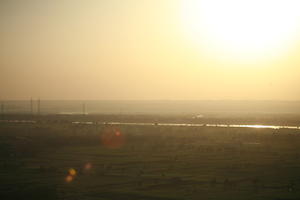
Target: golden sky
[(150, 49)]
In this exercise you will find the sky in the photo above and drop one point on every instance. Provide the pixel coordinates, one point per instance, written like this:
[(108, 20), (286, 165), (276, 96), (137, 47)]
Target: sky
[(149, 50)]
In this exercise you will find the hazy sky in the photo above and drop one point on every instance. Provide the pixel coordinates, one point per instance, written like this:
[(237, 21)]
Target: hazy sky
[(149, 49)]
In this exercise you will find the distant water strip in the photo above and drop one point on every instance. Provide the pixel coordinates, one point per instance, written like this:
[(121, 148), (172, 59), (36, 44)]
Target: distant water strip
[(192, 125), (18, 121), (258, 126)]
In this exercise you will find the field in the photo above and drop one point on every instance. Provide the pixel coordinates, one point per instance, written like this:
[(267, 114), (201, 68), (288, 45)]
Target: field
[(55, 159)]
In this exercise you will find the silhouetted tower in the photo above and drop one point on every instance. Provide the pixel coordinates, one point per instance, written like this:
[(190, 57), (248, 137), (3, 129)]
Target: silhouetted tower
[(31, 106), (83, 109), (2, 108), (39, 106)]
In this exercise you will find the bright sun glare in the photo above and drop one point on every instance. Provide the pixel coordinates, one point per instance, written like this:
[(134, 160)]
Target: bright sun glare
[(242, 29)]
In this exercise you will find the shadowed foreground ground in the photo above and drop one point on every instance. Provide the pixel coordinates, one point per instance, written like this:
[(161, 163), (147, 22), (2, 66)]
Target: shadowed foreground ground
[(60, 160)]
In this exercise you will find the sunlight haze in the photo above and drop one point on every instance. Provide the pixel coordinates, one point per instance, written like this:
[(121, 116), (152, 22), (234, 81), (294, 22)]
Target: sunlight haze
[(150, 49)]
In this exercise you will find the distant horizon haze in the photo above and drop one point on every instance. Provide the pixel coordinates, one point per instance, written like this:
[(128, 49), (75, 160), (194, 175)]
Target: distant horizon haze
[(230, 107), (150, 49)]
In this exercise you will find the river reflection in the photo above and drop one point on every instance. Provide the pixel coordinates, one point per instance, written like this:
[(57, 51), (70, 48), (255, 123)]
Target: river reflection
[(193, 125)]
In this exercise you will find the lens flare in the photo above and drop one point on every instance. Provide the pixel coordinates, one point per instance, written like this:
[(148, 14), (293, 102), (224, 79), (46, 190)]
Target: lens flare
[(69, 178), (112, 138), (118, 133), (88, 166), (72, 172)]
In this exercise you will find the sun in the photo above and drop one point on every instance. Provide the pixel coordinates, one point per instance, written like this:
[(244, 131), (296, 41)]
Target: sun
[(242, 29)]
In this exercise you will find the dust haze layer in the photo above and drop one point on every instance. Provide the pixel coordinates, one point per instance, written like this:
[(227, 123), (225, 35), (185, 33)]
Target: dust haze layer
[(190, 108)]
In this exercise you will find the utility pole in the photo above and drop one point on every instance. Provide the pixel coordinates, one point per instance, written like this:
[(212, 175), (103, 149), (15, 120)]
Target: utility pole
[(39, 106), (31, 106), (83, 109), (2, 108)]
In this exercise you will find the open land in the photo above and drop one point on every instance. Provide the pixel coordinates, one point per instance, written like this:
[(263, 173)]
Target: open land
[(53, 158)]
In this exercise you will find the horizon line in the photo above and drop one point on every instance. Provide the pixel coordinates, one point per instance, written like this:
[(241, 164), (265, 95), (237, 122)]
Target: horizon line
[(245, 100)]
